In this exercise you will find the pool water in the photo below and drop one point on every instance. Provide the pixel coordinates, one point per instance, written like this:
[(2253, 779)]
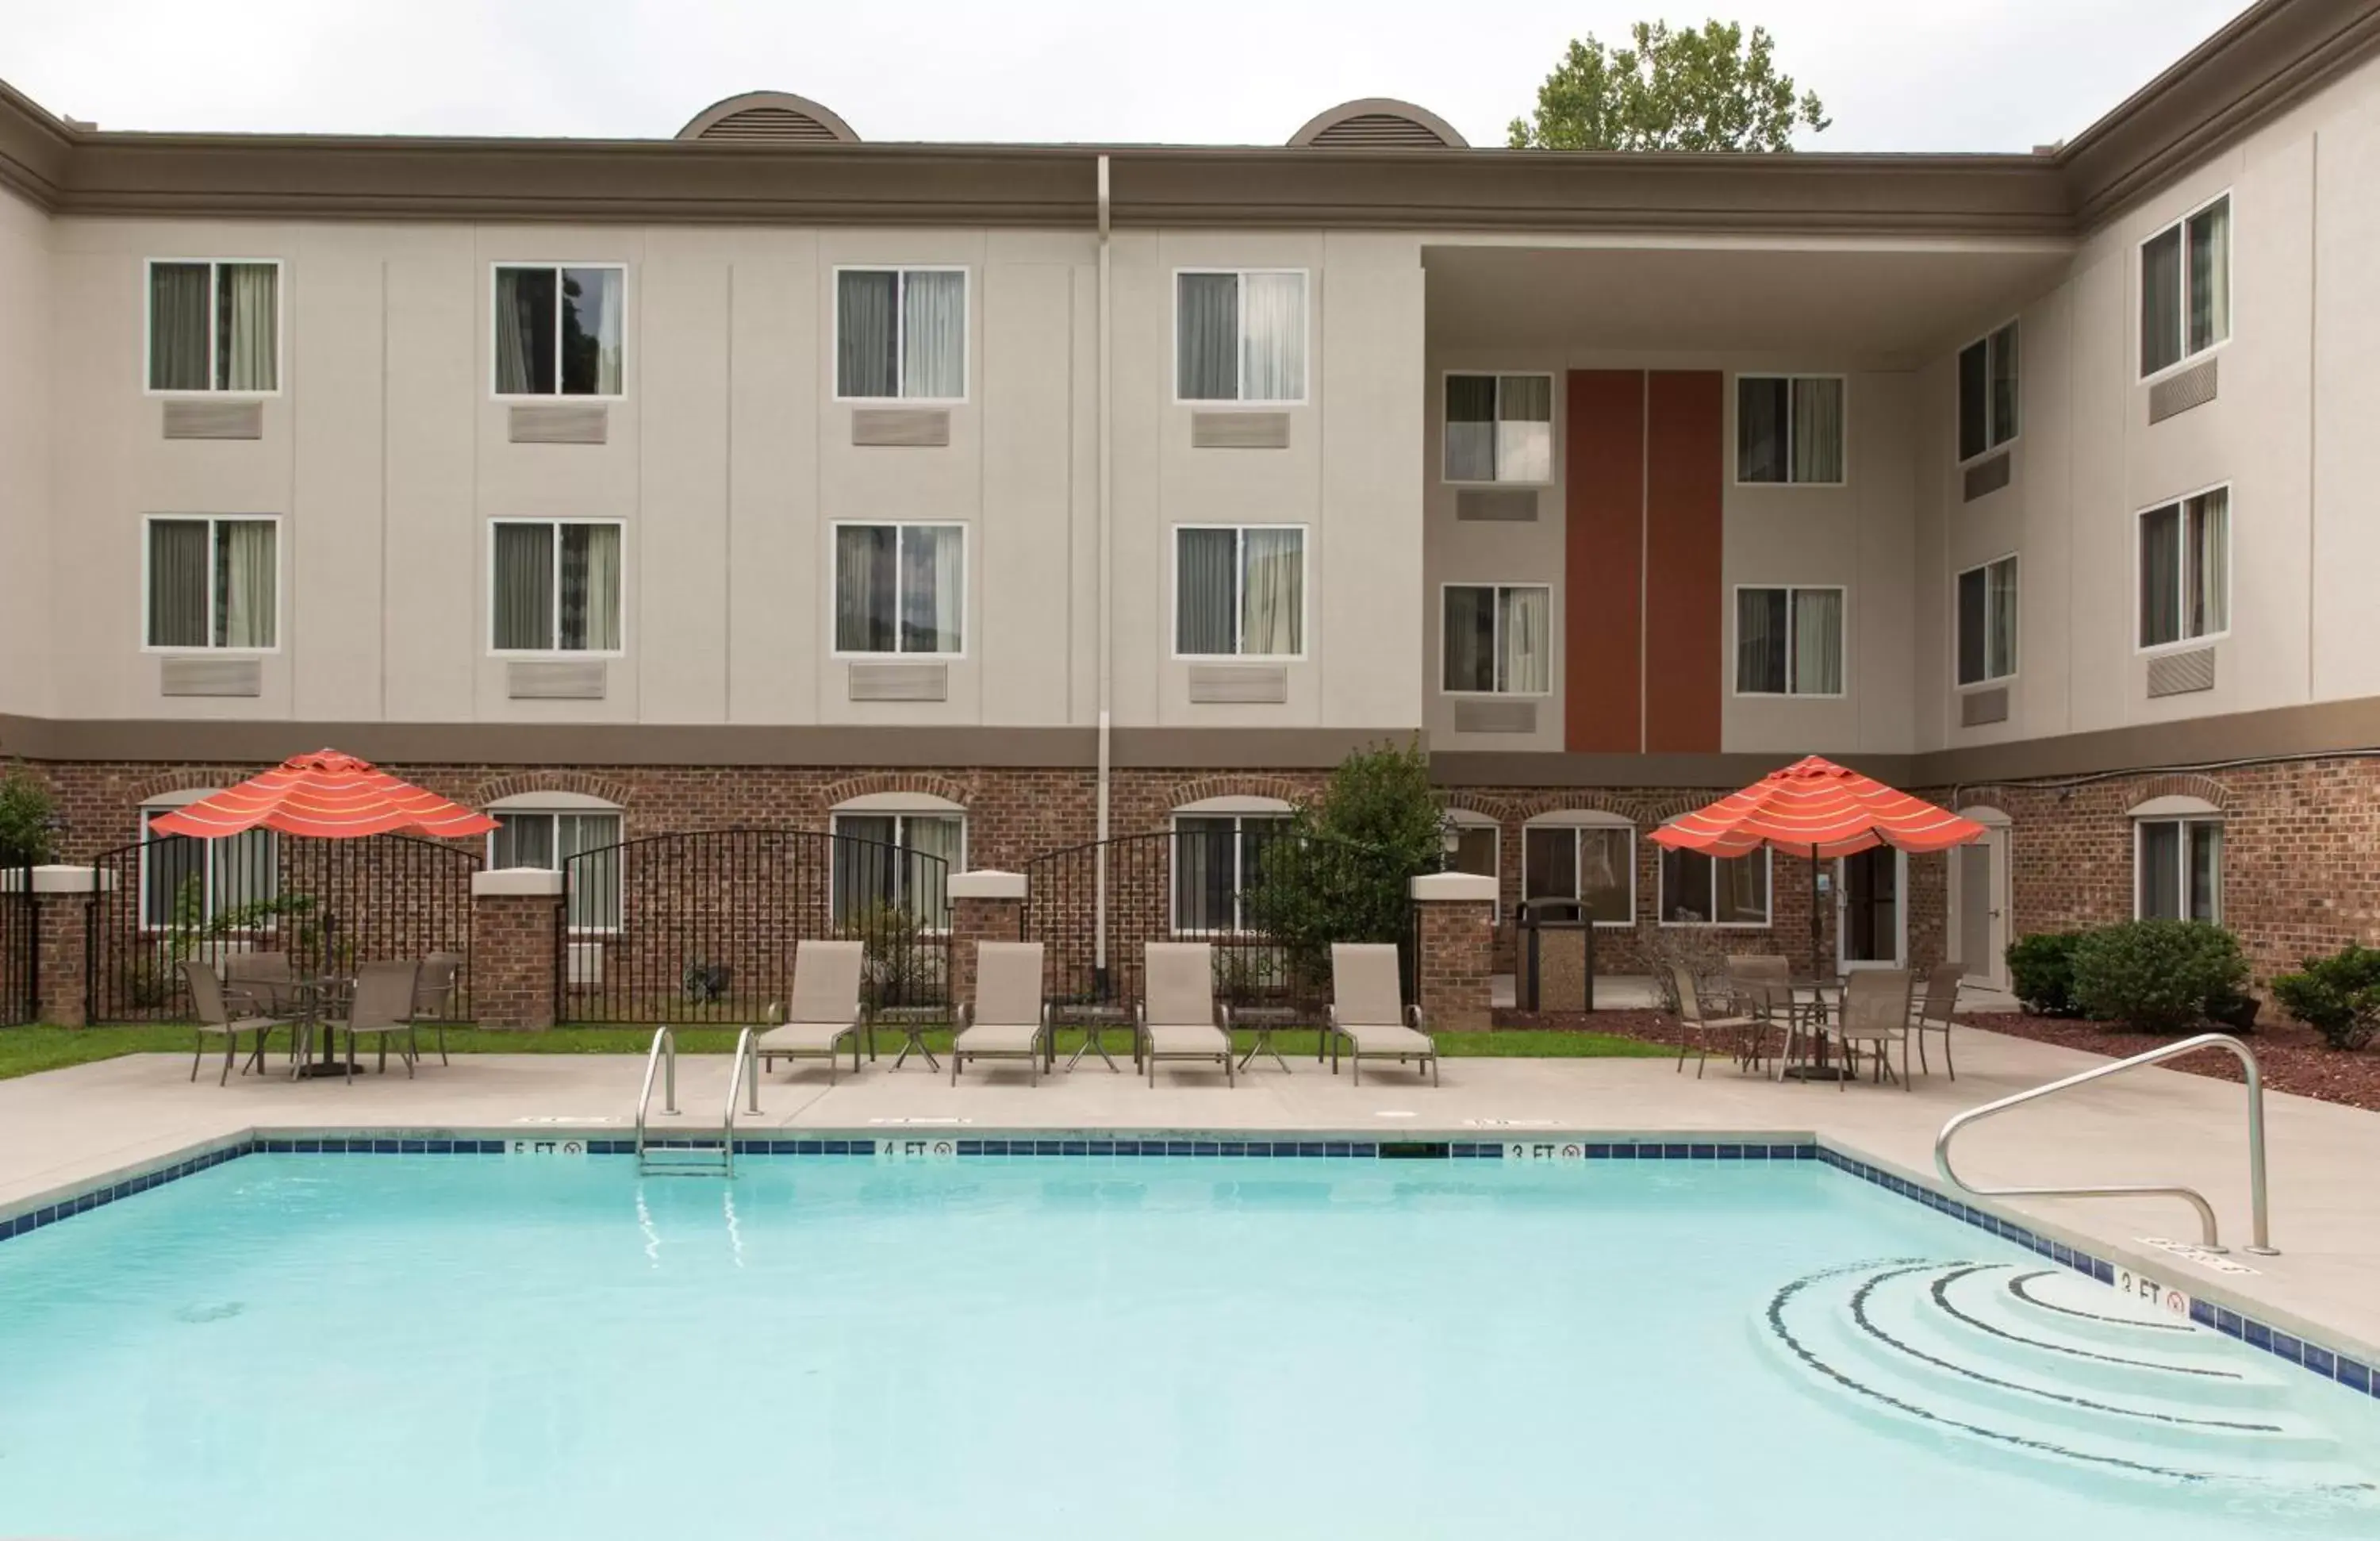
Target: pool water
[(470, 1348)]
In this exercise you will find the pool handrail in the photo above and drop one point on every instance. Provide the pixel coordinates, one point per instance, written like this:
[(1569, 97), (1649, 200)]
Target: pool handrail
[(2261, 1242), (663, 1056), (744, 1077)]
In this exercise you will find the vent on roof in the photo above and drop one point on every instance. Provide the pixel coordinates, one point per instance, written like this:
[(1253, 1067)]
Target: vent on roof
[(1376, 122), (769, 118)]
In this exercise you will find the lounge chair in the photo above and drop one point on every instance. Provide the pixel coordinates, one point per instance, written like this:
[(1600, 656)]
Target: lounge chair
[(1008, 1019), (1178, 1017), (1368, 1012), (1935, 1010), (223, 1014), (1696, 1011), (824, 1011), (380, 1007), (433, 994), (1876, 1013)]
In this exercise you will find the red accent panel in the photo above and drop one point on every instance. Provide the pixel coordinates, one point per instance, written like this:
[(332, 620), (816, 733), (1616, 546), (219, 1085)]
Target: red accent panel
[(1685, 531), (1603, 510)]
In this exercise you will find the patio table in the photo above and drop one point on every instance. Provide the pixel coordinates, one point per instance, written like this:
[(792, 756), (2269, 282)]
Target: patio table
[(1265, 1021), (305, 998), (912, 1021), (1092, 1019)]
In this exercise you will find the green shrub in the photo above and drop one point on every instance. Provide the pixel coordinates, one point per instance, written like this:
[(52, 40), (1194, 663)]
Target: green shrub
[(2337, 996), (2156, 975), (2041, 971)]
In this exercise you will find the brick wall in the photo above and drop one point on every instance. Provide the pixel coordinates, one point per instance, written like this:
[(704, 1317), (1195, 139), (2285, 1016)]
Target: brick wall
[(1457, 958), (513, 939)]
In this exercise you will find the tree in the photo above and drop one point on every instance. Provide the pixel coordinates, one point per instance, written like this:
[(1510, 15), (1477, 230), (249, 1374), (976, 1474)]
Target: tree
[(1708, 90), (28, 826), (1339, 872)]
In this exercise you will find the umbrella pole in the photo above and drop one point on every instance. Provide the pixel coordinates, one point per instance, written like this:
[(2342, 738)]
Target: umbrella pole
[(1815, 971)]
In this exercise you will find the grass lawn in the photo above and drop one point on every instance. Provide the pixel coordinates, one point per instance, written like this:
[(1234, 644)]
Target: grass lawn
[(24, 1051)]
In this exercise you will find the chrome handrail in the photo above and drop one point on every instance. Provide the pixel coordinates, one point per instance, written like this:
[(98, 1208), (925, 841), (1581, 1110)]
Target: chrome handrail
[(663, 1056), (2261, 1244), (746, 1056)]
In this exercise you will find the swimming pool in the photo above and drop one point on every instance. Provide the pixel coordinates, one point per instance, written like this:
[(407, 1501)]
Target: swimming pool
[(480, 1347)]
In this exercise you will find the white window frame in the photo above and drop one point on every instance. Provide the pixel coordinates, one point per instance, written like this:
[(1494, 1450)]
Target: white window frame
[(1769, 881), (174, 803), (899, 290), (1499, 376), (212, 648), (566, 804), (215, 319), (1734, 424), (900, 809), (2230, 558), (1240, 357), (1239, 619), (966, 584), (1577, 823), (2184, 823), (2184, 357), (1735, 642), (557, 653), (1985, 342), (627, 330), (1497, 588), (1461, 819), (2016, 657), (1239, 818)]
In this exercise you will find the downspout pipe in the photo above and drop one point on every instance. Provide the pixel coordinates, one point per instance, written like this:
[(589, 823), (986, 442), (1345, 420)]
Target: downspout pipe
[(1106, 665)]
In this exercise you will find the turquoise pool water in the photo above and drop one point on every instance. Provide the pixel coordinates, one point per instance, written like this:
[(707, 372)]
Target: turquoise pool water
[(473, 1348)]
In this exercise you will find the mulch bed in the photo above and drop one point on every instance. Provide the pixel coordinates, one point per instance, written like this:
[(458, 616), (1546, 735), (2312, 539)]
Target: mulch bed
[(2290, 1054)]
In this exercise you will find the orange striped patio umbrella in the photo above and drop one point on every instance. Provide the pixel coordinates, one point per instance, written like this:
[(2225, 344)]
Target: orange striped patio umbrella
[(1816, 809), (325, 795)]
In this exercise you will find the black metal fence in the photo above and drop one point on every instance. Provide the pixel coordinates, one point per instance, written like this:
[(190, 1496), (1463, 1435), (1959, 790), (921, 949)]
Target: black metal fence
[(702, 927), (20, 943), (329, 904)]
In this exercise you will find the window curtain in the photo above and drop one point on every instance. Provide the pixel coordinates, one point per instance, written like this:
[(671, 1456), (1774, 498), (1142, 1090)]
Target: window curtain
[(1685, 886), (932, 846), (866, 362), (1603, 858), (1974, 610), (590, 601), (865, 852), (177, 583), (1760, 428), (933, 334), (1740, 888), (2161, 301), (2206, 872), (1817, 642), (2004, 395), (2209, 560), (1273, 329), (933, 586), (1470, 427), (177, 327), (1272, 594), (2161, 576), (1525, 428), (867, 582), (1207, 337), (169, 864), (1550, 855), (1817, 430), (1975, 400), (1204, 592), (524, 330), (245, 332), (243, 870), (591, 331), (1470, 662), (1760, 642), (2000, 583), (2210, 275), (1526, 662), (595, 878), (525, 840), (1205, 864), (524, 592), (245, 583), (2159, 877)]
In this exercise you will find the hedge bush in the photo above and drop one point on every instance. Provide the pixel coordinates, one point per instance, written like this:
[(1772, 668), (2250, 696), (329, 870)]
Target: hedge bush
[(2156, 975), (2041, 971), (2337, 996)]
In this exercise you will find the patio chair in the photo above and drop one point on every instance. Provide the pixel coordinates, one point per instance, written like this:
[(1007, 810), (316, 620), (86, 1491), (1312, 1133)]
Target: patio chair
[(223, 1014), (1935, 1010), (1697, 1012), (433, 994), (380, 1006), (260, 984), (1876, 1013), (824, 1010), (1760, 985), (1008, 1019), (1368, 1013), (1178, 1017)]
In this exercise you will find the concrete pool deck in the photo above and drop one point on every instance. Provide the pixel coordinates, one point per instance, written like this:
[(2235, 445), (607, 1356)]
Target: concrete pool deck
[(64, 1130)]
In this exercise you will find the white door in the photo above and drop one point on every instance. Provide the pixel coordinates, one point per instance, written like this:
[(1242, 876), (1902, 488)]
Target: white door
[(1872, 910), (1979, 907)]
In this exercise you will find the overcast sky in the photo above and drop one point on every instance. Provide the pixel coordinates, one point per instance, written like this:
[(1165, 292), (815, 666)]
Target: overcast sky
[(1895, 74)]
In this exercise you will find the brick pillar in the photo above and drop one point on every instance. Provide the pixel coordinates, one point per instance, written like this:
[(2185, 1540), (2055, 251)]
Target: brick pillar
[(985, 906), (515, 915), (1458, 948), (61, 923)]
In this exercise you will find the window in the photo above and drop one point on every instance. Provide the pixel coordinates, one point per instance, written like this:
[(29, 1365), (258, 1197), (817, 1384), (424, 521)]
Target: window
[(1499, 427), (2186, 288), (1240, 336), (559, 330), (1789, 429), (898, 860), (1789, 641), (1697, 889), (1988, 621), (1478, 850), (1218, 859), (900, 334), (555, 588), (188, 884), (532, 837), (213, 583), (214, 326), (1239, 592), (1594, 864), (2178, 869), (1987, 393), (1497, 639), (2185, 569), (900, 589)]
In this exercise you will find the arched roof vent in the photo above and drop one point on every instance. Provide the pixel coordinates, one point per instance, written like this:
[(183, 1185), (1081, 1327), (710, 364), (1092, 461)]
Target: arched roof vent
[(769, 118), (1378, 122)]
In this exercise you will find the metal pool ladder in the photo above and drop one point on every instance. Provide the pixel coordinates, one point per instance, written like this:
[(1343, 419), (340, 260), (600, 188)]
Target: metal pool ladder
[(707, 1152), (2262, 1241)]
